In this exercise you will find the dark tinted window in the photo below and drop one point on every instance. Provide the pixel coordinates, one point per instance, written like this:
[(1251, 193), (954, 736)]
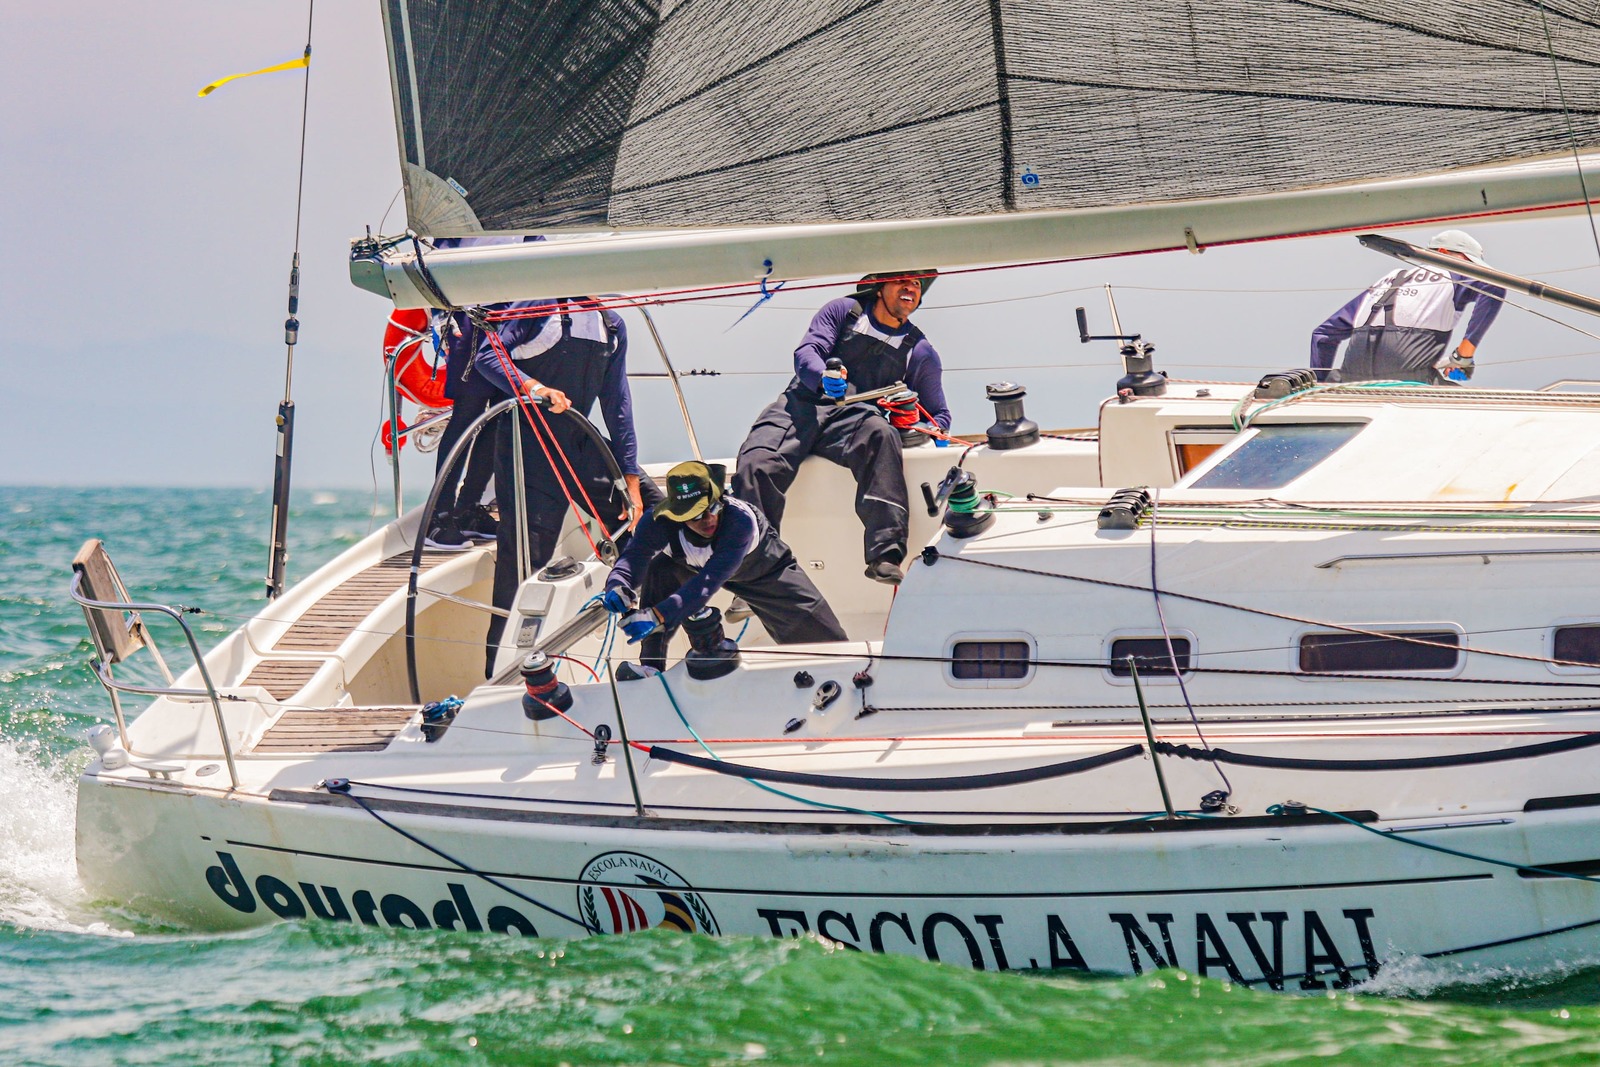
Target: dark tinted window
[(990, 659), (1149, 655), (1339, 653), (1277, 455), (1579, 644)]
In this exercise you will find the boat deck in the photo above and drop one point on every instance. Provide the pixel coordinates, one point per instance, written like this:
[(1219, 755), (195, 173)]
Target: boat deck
[(334, 730), (324, 626)]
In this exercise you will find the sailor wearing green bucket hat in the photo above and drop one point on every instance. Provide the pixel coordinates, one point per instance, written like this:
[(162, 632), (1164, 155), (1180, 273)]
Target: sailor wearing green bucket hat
[(699, 540)]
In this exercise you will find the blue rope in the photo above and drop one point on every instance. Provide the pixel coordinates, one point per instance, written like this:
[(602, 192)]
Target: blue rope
[(607, 638), (770, 789)]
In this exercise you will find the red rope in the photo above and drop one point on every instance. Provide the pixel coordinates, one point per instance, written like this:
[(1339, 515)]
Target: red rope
[(933, 429), (577, 481), (580, 663), (582, 728), (525, 404)]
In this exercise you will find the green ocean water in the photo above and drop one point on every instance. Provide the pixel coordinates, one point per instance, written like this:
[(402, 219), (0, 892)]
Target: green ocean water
[(84, 982)]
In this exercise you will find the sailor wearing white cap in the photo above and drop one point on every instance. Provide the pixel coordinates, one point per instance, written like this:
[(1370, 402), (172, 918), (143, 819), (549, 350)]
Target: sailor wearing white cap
[(1400, 328)]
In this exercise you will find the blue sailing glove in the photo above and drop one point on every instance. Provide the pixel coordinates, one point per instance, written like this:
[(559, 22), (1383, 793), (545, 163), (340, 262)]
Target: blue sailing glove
[(619, 600), (834, 388), (640, 625)]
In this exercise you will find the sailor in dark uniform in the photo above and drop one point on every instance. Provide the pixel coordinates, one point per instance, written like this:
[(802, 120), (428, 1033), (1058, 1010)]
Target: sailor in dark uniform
[(459, 515), (1400, 328), (571, 357), (696, 541), (871, 334)]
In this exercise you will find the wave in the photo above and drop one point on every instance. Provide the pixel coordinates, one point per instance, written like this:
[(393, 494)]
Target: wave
[(39, 887)]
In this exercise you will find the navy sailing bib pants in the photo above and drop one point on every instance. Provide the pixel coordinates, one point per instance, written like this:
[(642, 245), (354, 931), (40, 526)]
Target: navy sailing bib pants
[(856, 436), (576, 366)]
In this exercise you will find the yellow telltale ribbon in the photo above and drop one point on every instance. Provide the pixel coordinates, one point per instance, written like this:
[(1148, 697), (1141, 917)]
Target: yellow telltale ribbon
[(303, 61)]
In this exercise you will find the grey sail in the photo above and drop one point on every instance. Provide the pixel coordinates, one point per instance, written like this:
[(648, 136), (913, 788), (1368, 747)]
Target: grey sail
[(518, 116)]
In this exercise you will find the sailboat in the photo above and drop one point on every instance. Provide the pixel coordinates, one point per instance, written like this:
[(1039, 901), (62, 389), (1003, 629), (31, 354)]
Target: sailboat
[(1276, 681)]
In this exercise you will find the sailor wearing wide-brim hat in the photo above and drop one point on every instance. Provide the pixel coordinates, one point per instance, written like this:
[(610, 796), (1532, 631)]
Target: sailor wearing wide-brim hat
[(699, 540), (1400, 328)]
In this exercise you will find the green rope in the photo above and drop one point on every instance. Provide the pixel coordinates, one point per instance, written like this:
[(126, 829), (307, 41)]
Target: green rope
[(1241, 420), (762, 785), (1279, 809)]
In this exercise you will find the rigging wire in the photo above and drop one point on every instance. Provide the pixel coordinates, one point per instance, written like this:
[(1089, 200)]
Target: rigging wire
[(1172, 655), (283, 452), (1572, 133)]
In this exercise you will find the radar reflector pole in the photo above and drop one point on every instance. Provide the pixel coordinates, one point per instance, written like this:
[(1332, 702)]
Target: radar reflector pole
[(278, 555)]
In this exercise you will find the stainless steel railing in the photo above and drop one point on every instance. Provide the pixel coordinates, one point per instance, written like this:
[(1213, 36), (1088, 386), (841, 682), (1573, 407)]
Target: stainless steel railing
[(102, 669)]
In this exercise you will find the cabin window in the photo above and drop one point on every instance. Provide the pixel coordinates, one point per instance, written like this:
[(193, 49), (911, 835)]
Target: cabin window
[(1578, 644), (1150, 656), (1274, 456), (990, 660), (1191, 448), (1339, 653)]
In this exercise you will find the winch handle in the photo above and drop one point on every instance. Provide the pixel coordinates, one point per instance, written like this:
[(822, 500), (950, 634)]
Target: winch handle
[(859, 398)]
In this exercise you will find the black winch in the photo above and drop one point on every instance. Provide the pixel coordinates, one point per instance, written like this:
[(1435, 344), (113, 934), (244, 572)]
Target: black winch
[(1011, 429), (546, 694), (712, 653)]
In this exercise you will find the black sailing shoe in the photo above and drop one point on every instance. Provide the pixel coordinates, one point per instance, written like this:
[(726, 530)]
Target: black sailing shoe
[(476, 521), (886, 571), (446, 536)]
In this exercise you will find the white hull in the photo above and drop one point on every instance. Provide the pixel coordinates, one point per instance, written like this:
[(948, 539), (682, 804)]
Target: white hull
[(1265, 903)]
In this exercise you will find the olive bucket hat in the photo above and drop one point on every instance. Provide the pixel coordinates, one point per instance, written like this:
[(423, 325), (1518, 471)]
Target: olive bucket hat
[(692, 488)]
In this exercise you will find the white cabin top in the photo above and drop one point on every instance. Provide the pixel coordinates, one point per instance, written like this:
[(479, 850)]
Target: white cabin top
[(1376, 444)]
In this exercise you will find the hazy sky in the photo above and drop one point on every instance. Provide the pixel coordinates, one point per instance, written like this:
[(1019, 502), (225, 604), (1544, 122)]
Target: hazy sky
[(149, 235)]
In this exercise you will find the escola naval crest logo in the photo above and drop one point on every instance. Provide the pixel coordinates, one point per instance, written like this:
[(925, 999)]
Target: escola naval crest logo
[(620, 892)]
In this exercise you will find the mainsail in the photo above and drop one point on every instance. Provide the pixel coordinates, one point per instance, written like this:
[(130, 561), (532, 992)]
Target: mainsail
[(515, 116)]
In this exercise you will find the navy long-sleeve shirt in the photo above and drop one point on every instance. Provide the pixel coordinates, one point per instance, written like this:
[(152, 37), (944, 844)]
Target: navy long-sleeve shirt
[(924, 371), (1484, 298), (615, 396), (737, 532)]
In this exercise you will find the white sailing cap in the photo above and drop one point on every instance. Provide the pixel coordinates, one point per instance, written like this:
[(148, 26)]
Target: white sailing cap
[(1459, 241)]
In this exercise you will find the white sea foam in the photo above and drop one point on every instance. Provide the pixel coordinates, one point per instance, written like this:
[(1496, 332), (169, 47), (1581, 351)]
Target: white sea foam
[(39, 887), (1416, 976)]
